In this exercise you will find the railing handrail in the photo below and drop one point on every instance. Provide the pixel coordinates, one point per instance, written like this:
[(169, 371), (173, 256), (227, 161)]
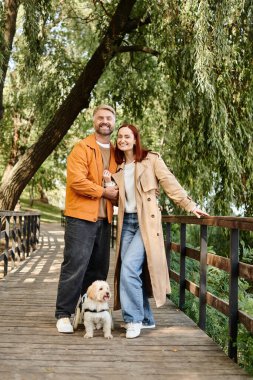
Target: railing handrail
[(245, 224), (19, 234), (18, 213), (231, 265)]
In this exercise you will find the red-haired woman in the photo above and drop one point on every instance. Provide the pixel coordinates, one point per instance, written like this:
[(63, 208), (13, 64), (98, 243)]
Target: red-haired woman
[(141, 266)]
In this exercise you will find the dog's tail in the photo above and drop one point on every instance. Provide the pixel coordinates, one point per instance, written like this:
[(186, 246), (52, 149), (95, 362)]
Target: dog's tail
[(110, 311), (78, 317)]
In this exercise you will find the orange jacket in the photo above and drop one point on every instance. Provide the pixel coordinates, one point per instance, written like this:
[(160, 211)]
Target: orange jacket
[(84, 180)]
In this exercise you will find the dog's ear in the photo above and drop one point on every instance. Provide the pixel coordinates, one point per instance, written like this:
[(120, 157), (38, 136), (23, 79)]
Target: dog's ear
[(91, 292)]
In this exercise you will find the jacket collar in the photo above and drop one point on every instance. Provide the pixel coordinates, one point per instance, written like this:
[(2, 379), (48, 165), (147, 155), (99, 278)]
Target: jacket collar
[(119, 177), (140, 167), (92, 143)]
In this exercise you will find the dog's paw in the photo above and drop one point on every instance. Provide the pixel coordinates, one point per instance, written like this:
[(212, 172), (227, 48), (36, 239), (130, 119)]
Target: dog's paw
[(108, 336), (88, 336)]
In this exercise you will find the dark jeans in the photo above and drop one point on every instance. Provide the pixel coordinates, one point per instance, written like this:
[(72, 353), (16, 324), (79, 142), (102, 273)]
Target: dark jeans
[(86, 259)]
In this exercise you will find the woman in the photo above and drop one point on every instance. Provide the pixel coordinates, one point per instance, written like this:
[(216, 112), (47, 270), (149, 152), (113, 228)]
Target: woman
[(141, 266)]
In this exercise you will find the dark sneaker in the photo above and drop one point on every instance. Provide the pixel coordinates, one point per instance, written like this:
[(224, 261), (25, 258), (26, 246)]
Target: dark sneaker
[(146, 326), (143, 326)]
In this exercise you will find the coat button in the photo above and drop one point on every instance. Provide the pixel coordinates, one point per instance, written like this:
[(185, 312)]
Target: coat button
[(152, 216), (158, 234), (149, 199)]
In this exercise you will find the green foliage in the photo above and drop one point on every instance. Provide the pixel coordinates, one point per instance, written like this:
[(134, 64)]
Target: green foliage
[(49, 213), (52, 43), (36, 15), (245, 349), (246, 252), (1, 37), (193, 102), (191, 96)]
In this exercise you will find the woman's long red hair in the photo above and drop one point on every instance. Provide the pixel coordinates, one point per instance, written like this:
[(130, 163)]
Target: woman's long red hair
[(139, 151)]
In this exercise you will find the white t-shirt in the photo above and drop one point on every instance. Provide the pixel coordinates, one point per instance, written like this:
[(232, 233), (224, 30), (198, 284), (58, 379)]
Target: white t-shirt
[(129, 179)]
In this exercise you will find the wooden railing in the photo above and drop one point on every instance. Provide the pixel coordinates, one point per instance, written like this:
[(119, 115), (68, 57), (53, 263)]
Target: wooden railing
[(63, 219), (231, 265), (19, 235)]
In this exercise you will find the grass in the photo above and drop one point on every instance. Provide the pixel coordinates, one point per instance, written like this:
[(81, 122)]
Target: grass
[(49, 213)]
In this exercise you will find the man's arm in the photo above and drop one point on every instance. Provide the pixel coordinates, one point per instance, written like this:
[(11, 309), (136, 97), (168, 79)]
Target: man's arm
[(77, 174)]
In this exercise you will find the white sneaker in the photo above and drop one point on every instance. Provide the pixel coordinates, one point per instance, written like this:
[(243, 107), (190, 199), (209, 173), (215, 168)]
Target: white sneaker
[(133, 330), (64, 326), (143, 326)]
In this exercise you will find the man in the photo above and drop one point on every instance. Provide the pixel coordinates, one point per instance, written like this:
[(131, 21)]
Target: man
[(88, 216)]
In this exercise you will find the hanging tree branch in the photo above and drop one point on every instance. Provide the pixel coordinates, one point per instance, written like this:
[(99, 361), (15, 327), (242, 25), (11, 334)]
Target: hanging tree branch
[(103, 7)]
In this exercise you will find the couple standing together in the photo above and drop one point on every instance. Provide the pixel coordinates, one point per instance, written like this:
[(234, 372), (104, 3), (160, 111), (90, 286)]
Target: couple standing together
[(141, 266)]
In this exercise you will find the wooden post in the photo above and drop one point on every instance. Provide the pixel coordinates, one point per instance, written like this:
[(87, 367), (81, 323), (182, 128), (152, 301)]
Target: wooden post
[(182, 266), (7, 239), (168, 241), (233, 294), (202, 280)]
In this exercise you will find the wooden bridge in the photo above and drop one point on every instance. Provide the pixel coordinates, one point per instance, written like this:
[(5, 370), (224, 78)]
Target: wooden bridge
[(31, 347)]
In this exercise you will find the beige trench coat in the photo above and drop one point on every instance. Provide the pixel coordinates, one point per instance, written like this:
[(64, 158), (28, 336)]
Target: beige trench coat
[(149, 174)]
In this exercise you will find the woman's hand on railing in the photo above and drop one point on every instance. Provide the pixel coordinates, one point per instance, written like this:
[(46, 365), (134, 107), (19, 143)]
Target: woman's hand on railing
[(198, 212)]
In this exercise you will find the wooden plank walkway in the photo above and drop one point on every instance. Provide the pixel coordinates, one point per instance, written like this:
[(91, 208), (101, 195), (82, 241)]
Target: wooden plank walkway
[(31, 348)]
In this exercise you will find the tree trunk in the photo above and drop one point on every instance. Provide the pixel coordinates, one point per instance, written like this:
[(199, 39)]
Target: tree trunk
[(43, 198), (76, 101), (14, 153), (10, 17)]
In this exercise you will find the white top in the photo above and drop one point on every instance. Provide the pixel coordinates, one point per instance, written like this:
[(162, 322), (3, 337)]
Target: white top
[(106, 146), (129, 179)]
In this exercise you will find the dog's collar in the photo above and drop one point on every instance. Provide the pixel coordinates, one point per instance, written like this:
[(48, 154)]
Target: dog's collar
[(95, 311)]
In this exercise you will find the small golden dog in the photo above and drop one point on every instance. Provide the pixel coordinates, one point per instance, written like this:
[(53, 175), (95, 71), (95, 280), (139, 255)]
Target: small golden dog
[(95, 310)]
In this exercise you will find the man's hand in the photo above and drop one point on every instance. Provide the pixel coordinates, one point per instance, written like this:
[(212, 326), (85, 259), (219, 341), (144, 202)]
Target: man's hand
[(111, 193)]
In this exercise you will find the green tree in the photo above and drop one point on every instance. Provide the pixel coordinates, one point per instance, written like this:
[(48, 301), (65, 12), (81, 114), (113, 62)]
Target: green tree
[(181, 70), (16, 178)]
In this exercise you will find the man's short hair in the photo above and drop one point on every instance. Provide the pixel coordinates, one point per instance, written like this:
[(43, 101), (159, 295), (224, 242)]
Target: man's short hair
[(104, 107)]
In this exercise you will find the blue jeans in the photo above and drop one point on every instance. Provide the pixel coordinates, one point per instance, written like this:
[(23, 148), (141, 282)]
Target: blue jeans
[(86, 259), (134, 301)]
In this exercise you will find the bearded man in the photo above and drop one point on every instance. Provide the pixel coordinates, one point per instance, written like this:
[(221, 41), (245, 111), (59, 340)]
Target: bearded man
[(88, 213)]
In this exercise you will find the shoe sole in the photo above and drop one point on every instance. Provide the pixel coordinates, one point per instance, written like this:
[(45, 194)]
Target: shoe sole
[(142, 327), (65, 332), (132, 337)]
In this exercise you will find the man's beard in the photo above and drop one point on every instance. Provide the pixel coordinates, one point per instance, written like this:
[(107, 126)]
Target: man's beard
[(106, 132)]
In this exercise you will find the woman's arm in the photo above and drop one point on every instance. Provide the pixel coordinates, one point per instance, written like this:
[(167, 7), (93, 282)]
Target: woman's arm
[(173, 189)]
